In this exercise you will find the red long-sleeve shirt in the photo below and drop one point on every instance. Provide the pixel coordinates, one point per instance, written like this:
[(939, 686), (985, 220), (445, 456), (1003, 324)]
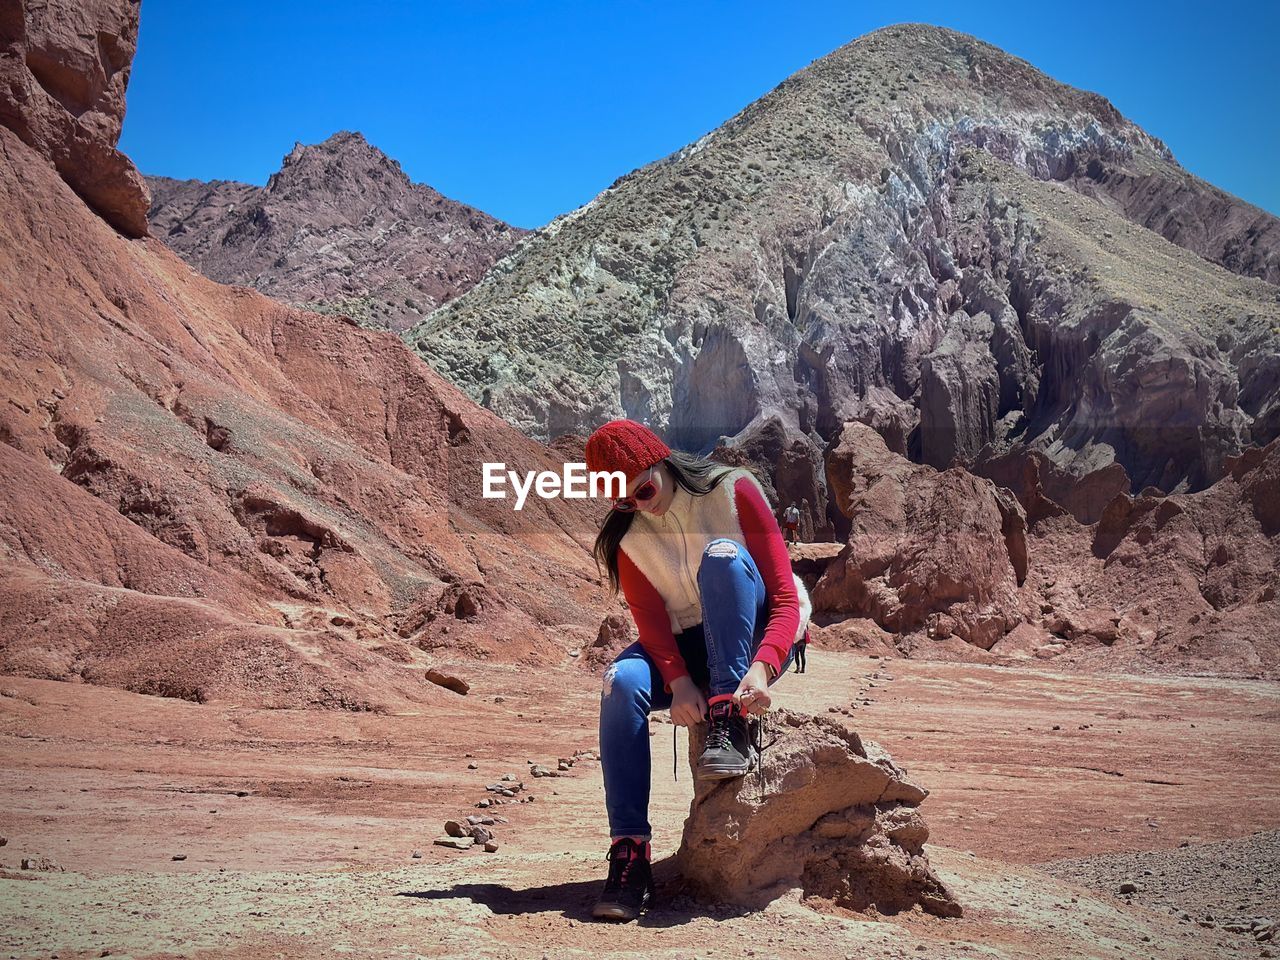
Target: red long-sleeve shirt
[(769, 551)]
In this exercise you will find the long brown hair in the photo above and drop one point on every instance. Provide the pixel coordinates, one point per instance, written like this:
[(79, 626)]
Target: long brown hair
[(698, 475)]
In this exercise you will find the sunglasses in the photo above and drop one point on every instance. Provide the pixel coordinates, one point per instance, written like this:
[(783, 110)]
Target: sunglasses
[(644, 493)]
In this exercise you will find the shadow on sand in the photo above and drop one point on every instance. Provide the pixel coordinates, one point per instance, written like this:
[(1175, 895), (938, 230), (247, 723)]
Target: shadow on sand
[(572, 900)]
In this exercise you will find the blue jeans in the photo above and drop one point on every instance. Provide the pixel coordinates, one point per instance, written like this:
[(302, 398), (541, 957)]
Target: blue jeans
[(717, 654)]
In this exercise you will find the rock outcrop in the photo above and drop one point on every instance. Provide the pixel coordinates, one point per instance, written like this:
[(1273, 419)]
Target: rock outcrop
[(918, 232), (926, 547), (339, 228), (790, 470), (64, 67), (1045, 489), (947, 564), (834, 817), (1190, 580)]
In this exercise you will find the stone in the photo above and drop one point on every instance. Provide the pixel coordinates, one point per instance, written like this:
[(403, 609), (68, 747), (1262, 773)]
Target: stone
[(448, 681), (457, 843), (491, 846), (453, 828), (614, 634), (64, 74), (1046, 489), (926, 547), (44, 864), (480, 834)]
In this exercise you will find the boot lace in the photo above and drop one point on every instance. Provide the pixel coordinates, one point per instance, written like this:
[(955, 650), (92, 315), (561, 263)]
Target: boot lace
[(719, 734)]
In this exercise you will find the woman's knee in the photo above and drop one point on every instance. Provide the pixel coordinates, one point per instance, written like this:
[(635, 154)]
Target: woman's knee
[(626, 681)]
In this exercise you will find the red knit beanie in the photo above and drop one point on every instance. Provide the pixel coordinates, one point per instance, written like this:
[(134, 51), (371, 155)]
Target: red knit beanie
[(625, 445)]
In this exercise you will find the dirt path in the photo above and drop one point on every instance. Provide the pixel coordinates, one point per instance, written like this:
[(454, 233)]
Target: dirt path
[(298, 828)]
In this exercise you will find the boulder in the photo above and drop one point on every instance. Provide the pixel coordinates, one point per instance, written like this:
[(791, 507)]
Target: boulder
[(617, 631), (448, 680), (832, 816), (810, 560)]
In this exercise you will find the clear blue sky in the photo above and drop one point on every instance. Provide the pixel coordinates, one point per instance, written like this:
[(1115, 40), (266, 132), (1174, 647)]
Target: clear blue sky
[(529, 109)]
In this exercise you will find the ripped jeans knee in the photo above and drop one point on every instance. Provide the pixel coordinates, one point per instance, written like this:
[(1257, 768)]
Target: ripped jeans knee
[(722, 548), (626, 681)]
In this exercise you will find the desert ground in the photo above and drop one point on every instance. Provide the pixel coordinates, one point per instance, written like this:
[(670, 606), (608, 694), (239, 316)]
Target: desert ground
[(163, 828)]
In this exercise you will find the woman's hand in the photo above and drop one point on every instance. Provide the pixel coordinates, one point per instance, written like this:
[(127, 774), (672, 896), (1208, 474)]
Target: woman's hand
[(752, 694), (688, 705)]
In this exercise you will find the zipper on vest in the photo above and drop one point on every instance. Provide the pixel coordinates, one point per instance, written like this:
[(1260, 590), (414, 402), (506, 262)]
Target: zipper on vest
[(684, 559)]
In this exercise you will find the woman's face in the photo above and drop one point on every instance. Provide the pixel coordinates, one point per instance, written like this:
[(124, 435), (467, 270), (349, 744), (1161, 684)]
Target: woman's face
[(661, 479)]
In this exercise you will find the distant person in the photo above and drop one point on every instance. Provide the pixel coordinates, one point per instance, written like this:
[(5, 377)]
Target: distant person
[(695, 549), (802, 648), (791, 523)]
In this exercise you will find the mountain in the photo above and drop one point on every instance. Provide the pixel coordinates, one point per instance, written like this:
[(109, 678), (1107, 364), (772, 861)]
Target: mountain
[(919, 232), (210, 495), (339, 228)]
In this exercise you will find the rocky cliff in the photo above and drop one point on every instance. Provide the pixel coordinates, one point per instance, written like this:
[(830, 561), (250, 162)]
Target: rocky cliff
[(919, 232), (64, 67), (339, 228)]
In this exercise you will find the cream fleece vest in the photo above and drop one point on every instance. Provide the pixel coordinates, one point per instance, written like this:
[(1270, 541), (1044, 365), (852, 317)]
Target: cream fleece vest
[(668, 549)]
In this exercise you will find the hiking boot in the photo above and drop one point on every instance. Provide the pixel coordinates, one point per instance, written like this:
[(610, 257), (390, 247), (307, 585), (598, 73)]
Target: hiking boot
[(630, 885), (728, 751)]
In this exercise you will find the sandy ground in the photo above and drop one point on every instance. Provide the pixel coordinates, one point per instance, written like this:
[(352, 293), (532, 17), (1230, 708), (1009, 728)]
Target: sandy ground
[(298, 829)]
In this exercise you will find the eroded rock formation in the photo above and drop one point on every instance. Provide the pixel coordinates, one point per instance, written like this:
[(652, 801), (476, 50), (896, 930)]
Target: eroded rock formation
[(924, 544), (834, 817), (790, 470), (1166, 582)]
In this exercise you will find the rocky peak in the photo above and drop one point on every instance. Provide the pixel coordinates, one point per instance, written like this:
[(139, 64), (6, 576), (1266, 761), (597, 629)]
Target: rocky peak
[(342, 162), (339, 227)]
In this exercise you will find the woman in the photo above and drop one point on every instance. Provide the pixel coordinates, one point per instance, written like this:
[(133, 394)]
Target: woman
[(695, 549)]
